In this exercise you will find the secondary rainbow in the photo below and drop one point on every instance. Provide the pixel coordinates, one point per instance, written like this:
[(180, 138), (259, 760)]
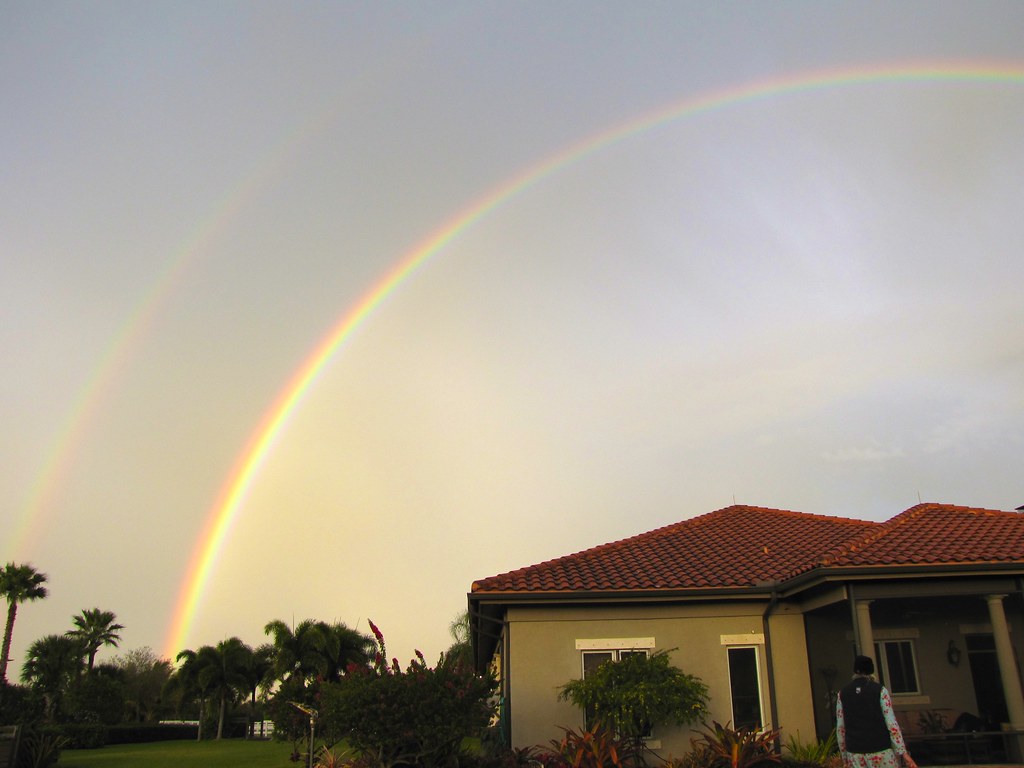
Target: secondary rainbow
[(226, 507)]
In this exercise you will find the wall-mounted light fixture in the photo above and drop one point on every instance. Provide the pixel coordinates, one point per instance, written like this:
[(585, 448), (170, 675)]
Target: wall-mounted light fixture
[(953, 654)]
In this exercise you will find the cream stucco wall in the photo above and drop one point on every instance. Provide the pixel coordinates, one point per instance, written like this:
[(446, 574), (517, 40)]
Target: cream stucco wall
[(543, 656)]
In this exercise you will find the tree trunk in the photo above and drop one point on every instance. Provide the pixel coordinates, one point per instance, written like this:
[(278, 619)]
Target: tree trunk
[(220, 716), (12, 611)]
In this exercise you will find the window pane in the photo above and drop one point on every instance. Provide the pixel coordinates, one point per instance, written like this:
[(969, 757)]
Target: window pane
[(745, 688), (591, 661), (899, 657)]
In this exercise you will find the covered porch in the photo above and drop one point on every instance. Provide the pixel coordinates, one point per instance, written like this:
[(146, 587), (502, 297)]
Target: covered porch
[(946, 647)]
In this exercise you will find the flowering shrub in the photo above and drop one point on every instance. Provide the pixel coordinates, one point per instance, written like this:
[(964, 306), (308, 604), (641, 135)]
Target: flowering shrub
[(418, 716)]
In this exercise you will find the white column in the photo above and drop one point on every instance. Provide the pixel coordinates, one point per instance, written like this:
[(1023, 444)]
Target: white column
[(1007, 661), (865, 635)]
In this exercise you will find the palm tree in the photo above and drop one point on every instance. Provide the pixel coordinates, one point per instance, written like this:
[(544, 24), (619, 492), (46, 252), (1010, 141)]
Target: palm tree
[(19, 584), (222, 670), (460, 652), (186, 686), (258, 672), (213, 670), (341, 647), (51, 665), (298, 652), (95, 628)]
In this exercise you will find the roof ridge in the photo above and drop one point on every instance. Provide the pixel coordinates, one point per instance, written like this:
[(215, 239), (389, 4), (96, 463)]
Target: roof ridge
[(696, 523), (898, 521)]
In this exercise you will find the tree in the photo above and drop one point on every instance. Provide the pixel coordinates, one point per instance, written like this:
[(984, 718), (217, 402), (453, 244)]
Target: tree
[(257, 672), (298, 652), (341, 647), (143, 676), (216, 671), (187, 686), (631, 695), (52, 664), (95, 628), (18, 584), (460, 652), (222, 673)]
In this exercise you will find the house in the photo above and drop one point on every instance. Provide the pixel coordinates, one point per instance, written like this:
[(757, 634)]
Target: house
[(768, 607)]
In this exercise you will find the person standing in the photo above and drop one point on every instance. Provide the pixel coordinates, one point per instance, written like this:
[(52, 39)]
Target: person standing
[(866, 728)]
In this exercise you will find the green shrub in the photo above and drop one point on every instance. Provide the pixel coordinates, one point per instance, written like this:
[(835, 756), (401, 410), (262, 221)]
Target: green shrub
[(813, 753), (417, 717), (728, 747), (82, 735), (39, 746)]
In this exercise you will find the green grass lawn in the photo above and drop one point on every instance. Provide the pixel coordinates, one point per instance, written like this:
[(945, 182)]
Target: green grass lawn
[(230, 753)]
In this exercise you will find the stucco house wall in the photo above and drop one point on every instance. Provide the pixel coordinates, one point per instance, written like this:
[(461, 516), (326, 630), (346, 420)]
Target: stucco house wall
[(546, 656)]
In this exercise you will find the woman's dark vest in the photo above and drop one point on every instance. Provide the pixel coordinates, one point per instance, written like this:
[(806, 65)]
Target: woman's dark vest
[(866, 730)]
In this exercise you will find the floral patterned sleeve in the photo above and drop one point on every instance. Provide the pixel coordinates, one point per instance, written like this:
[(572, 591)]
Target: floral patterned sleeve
[(895, 734), (840, 724)]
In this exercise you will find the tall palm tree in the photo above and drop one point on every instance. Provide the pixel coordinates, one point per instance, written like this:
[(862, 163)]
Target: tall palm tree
[(18, 584), (186, 685), (222, 673), (343, 646), (95, 628), (51, 665), (460, 652), (298, 654), (258, 672)]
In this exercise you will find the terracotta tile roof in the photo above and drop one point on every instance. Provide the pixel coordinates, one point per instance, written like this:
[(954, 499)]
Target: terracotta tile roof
[(732, 547), (934, 534), (743, 546)]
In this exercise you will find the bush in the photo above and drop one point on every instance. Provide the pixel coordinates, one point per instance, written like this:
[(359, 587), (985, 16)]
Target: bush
[(824, 753), (631, 695), (728, 747), (597, 747), (81, 735), (39, 747), (416, 717)]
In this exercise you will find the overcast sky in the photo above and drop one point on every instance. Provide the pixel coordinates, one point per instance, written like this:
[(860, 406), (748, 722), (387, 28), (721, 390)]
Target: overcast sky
[(806, 298)]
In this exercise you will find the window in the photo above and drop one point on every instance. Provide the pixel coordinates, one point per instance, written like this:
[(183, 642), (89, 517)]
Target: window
[(593, 659), (745, 687), (897, 667)]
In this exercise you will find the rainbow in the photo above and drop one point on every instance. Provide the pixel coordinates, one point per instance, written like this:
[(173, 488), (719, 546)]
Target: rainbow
[(128, 339), (229, 501)]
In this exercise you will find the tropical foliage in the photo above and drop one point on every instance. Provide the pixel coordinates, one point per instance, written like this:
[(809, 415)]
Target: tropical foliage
[(632, 695), (727, 747), (596, 747), (416, 716), (94, 629), (823, 752), (18, 584)]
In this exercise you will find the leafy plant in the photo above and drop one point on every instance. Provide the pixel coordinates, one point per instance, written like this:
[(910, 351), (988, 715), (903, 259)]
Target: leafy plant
[(631, 695), (419, 716), (730, 747), (932, 721), (597, 747), (824, 752), (40, 747)]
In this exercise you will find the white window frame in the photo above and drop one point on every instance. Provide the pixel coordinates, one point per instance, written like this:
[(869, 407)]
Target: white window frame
[(757, 671), (882, 666), (616, 646)]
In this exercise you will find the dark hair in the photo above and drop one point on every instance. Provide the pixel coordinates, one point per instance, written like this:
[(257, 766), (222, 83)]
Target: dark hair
[(863, 665)]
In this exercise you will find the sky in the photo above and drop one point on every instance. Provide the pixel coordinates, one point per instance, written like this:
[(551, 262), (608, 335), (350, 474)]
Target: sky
[(323, 310)]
